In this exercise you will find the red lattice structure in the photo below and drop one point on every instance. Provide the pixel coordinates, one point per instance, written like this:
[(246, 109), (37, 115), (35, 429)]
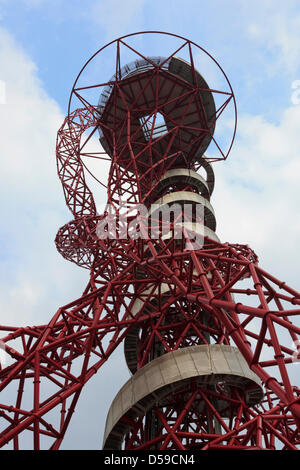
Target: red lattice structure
[(209, 337)]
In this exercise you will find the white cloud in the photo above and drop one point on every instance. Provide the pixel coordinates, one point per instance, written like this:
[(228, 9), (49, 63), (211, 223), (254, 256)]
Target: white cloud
[(258, 192), (31, 195), (275, 25), (117, 17)]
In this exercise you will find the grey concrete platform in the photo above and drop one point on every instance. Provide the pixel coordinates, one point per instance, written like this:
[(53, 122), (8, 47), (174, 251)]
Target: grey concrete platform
[(208, 364)]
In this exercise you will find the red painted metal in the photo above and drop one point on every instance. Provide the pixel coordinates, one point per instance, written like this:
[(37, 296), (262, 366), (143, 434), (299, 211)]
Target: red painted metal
[(247, 307)]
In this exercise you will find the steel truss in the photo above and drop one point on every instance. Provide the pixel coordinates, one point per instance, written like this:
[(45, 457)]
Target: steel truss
[(156, 293)]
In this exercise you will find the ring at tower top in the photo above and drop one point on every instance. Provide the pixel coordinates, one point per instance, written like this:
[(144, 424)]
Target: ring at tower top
[(157, 99)]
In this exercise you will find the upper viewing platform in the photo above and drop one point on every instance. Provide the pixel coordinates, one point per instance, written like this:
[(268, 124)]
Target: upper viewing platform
[(159, 105)]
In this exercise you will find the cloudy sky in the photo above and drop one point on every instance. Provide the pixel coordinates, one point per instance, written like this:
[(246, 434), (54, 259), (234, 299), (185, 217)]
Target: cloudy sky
[(43, 45)]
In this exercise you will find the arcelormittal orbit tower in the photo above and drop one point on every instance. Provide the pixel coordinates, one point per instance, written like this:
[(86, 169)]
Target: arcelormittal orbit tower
[(209, 337)]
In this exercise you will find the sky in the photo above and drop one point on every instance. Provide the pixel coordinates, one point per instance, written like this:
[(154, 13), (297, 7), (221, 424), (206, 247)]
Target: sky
[(43, 45)]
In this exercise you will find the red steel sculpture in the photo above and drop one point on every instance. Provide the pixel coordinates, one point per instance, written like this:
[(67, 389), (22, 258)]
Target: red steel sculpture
[(208, 335)]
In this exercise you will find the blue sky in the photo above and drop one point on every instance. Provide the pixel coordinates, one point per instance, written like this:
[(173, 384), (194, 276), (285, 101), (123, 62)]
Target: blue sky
[(252, 40), (43, 45)]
